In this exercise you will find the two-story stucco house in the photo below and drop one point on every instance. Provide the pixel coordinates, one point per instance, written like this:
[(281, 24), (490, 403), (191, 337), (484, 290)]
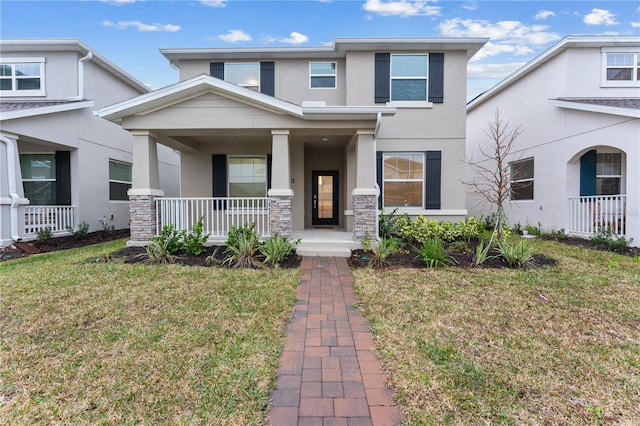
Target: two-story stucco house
[(294, 139), (60, 165), (577, 162)]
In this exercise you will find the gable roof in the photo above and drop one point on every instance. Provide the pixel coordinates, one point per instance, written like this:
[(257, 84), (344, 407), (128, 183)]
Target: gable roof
[(337, 50), (549, 54), (70, 45), (203, 83)]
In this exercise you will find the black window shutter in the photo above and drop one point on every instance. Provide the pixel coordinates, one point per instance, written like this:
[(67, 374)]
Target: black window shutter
[(379, 170), (436, 77), (382, 77), (219, 173), (269, 163), (267, 78), (216, 69), (588, 164), (433, 178), (63, 178)]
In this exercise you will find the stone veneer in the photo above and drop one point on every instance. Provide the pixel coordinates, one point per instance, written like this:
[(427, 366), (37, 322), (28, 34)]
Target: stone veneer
[(364, 216), (280, 214), (143, 217)]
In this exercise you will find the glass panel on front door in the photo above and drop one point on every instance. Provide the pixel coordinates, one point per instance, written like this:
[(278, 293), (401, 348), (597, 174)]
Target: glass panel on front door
[(325, 198)]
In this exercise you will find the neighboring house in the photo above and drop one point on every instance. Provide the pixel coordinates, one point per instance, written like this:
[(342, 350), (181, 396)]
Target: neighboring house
[(294, 139), (60, 165), (577, 161)]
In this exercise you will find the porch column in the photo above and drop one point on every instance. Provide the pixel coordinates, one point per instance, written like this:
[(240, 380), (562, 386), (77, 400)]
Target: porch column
[(11, 191), (145, 188), (633, 203), (365, 194), (280, 193)]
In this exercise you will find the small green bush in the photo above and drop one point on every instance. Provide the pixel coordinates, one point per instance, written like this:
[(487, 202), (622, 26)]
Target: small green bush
[(170, 238), (381, 251), (193, 242), (81, 232), (421, 229), (433, 253), (158, 252), (44, 236), (243, 247), (605, 237), (387, 224), (516, 255), (276, 248)]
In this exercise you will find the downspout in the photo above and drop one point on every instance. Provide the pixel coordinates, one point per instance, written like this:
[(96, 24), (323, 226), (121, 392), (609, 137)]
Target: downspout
[(375, 171), (13, 186), (81, 62)]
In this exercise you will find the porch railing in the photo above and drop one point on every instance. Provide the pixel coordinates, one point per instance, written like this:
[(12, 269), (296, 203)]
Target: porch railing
[(592, 213), (56, 218), (218, 214)]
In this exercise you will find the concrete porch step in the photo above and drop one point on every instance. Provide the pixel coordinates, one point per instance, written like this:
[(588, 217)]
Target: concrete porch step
[(326, 248)]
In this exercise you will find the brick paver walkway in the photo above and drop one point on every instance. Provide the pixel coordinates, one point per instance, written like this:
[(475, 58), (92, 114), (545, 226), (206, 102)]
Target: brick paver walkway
[(328, 374)]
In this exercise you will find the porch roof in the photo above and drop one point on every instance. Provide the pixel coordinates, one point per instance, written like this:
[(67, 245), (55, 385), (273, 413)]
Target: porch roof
[(10, 110), (626, 107), (203, 83)]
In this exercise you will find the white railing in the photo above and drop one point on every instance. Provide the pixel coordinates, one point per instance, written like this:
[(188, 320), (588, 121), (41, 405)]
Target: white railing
[(218, 215), (592, 213), (56, 218)]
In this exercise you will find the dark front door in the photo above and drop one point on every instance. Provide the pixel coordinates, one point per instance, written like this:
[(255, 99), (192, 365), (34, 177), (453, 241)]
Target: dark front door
[(324, 190)]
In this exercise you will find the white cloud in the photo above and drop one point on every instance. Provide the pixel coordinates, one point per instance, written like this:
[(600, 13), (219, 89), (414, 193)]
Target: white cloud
[(635, 24), (471, 5), (600, 17), (509, 32), (544, 14), (234, 36), (492, 71), (118, 2), (403, 8), (493, 49), (295, 38), (140, 26), (214, 3)]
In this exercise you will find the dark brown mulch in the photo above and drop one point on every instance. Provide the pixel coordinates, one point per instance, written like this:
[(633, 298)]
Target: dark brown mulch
[(61, 243)]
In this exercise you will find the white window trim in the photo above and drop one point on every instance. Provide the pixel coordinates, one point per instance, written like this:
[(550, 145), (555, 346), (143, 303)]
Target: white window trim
[(248, 86), (531, 179), (24, 60), (612, 176), (635, 82), (422, 188), (335, 75), (111, 160), (425, 78), (266, 179)]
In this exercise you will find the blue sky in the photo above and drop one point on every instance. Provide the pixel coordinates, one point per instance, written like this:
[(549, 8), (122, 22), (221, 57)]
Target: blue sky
[(130, 32)]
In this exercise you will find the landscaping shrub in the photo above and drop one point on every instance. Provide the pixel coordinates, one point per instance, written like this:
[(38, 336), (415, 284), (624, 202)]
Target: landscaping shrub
[(517, 255), (387, 224), (193, 242), (381, 251), (421, 229), (243, 247), (44, 236), (158, 252), (277, 248), (433, 253), (605, 237), (170, 238), (81, 232)]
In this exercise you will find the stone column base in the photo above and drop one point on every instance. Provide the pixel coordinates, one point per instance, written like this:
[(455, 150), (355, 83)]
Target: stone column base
[(143, 218), (280, 219), (365, 210)]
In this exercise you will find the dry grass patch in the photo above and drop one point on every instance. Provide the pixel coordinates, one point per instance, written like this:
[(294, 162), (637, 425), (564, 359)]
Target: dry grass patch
[(557, 345), (109, 343)]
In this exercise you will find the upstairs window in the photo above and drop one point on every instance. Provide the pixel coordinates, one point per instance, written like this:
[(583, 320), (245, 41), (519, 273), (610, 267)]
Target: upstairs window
[(621, 67), (409, 77), (22, 77), (322, 75), (522, 179), (245, 74), (119, 180)]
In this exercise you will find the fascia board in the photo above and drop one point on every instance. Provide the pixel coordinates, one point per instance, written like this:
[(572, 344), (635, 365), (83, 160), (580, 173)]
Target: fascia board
[(624, 112), (33, 112)]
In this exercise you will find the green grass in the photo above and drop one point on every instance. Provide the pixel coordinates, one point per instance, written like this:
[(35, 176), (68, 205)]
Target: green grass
[(112, 343), (480, 346)]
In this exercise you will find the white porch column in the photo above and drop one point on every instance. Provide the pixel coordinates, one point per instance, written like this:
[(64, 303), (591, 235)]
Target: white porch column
[(633, 201), (11, 191), (145, 187), (280, 194), (365, 194)]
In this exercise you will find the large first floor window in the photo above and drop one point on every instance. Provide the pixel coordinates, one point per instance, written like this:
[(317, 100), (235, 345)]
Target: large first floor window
[(521, 179), (39, 178), (403, 179), (119, 180), (608, 173), (247, 176)]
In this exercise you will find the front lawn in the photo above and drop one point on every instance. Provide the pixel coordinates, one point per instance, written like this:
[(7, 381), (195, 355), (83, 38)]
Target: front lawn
[(113, 343), (547, 345)]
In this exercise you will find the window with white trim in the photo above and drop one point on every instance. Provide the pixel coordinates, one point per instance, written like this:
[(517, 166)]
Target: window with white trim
[(39, 178), (608, 173), (22, 77), (247, 176), (620, 67), (521, 179), (322, 75), (245, 74), (409, 77), (119, 180), (403, 179)]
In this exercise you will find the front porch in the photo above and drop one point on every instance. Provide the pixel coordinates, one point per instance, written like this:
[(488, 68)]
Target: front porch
[(591, 214)]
